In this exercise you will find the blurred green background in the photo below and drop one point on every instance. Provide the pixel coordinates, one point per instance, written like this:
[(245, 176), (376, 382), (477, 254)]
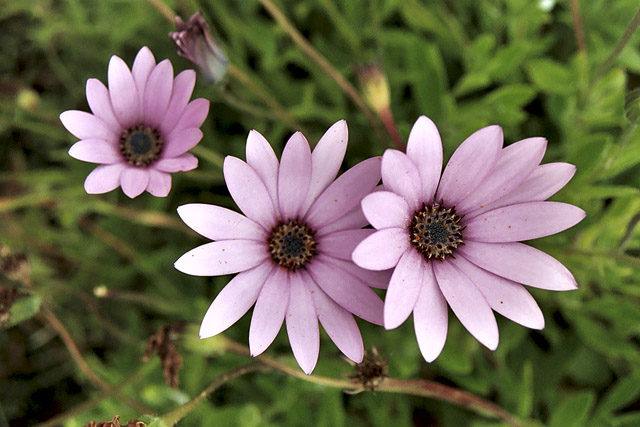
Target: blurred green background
[(103, 265)]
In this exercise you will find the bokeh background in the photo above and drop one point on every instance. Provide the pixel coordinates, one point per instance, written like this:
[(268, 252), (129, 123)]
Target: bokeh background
[(95, 272)]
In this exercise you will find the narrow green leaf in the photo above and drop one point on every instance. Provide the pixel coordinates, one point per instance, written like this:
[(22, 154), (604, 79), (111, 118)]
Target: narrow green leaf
[(573, 411), (624, 392), (551, 76), (23, 309)]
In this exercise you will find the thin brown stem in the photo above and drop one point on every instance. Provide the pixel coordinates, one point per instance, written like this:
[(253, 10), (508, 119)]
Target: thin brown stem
[(578, 27), (324, 64)]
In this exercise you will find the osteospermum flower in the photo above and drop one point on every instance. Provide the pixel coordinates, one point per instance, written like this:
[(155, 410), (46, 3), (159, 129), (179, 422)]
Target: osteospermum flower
[(455, 239), (141, 127), (293, 247)]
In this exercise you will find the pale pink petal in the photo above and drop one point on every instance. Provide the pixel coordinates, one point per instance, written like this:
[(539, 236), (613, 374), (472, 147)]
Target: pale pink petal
[(95, 151), (302, 323), (269, 311), (514, 165), (400, 175), (504, 296), (223, 257), (84, 125), (375, 279), (185, 162), (327, 157), (141, 69), (520, 263), (353, 219), (525, 221), (157, 94), (339, 324), (262, 158), (194, 114), (123, 93), (218, 223), (424, 148), (234, 300), (104, 178), (180, 141), (385, 209), (348, 291), (100, 103), (294, 176), (345, 193), (545, 181), (430, 317), (382, 250), (404, 289), (159, 183), (182, 89), (134, 181), (248, 191), (341, 243), (469, 165), (468, 303)]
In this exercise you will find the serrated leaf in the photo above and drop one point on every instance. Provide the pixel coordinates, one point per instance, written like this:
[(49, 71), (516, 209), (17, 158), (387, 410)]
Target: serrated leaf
[(573, 411)]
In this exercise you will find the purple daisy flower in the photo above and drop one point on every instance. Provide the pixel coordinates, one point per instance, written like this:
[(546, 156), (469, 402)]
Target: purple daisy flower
[(141, 127), (455, 239), (292, 248)]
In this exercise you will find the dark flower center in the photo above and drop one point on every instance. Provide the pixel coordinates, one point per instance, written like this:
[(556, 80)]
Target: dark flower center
[(435, 231), (291, 244), (141, 145)]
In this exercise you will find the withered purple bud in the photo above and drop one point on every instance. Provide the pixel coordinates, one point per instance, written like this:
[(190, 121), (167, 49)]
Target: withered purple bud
[(196, 43)]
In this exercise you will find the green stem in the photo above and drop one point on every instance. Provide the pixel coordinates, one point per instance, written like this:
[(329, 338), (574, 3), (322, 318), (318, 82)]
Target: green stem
[(608, 63), (180, 412), (209, 155)]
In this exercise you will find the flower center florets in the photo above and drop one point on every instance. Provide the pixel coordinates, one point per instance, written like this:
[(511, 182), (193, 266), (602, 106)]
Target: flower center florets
[(141, 145), (291, 244), (435, 231)]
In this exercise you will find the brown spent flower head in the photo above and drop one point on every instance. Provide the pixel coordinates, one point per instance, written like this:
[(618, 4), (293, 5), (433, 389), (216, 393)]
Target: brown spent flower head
[(163, 343), (115, 422), (15, 266), (371, 372), (7, 298), (196, 43)]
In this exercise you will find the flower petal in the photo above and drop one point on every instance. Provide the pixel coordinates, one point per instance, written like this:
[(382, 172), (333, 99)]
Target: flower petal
[(353, 219), (262, 158), (185, 162), (545, 181), (404, 289), (95, 151), (182, 89), (339, 324), (180, 141), (142, 67), (348, 291), (430, 317), (515, 163), (84, 125), (234, 300), (248, 191), (327, 157), (223, 257), (100, 103), (525, 221), (159, 183), (342, 243), (134, 181), (400, 175), (218, 223), (468, 303), (269, 312), (520, 263), (381, 250), (123, 93), (504, 296), (157, 94), (424, 148), (345, 193), (375, 279), (302, 323), (104, 178), (472, 161), (294, 176), (194, 114), (385, 209)]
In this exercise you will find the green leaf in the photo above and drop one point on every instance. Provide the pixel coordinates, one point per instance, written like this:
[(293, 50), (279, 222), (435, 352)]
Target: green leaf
[(551, 77), (632, 106), (624, 392), (23, 309), (573, 411)]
